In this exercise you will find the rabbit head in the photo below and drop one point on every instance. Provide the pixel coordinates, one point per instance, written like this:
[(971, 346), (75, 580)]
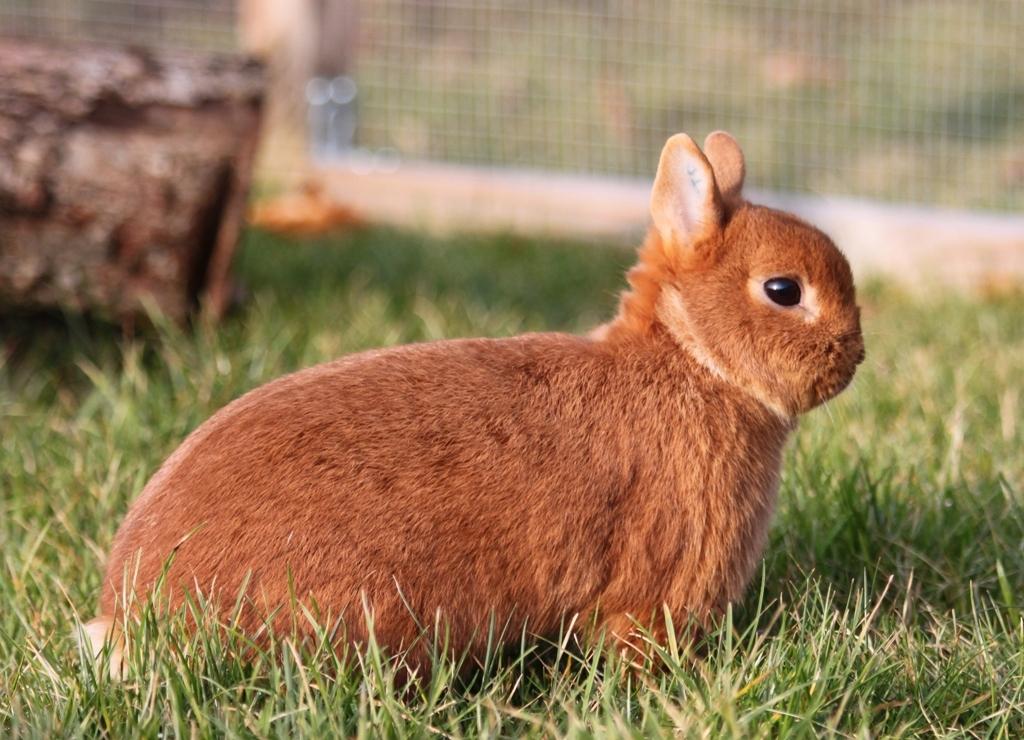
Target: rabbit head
[(759, 297)]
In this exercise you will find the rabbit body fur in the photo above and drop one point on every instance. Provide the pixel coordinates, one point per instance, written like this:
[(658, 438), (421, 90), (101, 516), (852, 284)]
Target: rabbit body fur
[(522, 482)]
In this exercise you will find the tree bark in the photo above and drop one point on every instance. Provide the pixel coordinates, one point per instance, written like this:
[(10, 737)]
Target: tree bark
[(123, 176)]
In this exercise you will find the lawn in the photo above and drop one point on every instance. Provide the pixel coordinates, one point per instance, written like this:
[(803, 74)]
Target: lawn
[(888, 604)]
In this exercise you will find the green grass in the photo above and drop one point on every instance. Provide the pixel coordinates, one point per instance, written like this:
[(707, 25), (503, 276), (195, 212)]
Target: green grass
[(889, 601)]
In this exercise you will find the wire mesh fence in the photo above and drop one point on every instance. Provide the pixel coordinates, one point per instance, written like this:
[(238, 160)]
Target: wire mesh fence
[(187, 24), (906, 100), (916, 101)]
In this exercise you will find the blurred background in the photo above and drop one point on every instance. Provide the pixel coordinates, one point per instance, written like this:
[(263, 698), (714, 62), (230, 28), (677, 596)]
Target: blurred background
[(898, 100), (901, 100), (546, 117)]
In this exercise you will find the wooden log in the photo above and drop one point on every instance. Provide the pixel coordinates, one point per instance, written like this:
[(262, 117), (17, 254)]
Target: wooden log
[(123, 176)]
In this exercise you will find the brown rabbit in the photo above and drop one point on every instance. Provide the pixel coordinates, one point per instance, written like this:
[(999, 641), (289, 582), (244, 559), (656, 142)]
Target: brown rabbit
[(612, 477)]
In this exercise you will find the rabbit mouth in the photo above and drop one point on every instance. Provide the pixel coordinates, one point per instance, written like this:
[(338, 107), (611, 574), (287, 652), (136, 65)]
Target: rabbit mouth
[(844, 355), (832, 387)]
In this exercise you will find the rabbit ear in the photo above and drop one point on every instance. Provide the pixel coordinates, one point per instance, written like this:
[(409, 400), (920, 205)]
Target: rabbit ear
[(726, 158), (685, 203)]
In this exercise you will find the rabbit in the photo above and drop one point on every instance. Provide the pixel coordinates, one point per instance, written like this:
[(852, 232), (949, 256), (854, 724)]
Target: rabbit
[(616, 479)]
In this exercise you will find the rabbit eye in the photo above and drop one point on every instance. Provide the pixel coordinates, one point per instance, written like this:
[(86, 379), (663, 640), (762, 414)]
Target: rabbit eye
[(782, 291)]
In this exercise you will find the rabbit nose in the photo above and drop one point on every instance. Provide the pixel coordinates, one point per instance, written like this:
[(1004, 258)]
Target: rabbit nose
[(851, 345)]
